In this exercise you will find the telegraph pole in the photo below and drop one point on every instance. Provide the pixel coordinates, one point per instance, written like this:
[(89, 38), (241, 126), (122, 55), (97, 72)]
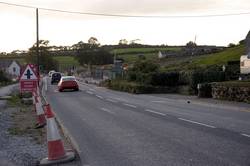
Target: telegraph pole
[(37, 41)]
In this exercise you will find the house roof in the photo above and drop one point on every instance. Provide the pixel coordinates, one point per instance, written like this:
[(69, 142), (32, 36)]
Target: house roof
[(5, 63)]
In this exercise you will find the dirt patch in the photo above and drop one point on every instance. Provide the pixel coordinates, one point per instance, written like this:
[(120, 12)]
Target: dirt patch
[(24, 121)]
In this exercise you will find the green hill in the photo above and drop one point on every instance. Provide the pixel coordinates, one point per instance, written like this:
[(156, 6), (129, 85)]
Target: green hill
[(186, 63), (230, 54)]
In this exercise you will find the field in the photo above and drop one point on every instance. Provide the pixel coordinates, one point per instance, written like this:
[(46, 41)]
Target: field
[(66, 62), (143, 50), (185, 63), (130, 55)]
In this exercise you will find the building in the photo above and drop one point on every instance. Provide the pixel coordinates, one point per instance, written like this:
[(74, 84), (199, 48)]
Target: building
[(245, 64), (11, 67), (160, 55)]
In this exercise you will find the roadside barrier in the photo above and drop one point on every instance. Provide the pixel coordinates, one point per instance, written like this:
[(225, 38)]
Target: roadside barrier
[(41, 121), (56, 151), (34, 100)]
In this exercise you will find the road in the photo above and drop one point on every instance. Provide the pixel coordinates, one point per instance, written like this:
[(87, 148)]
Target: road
[(114, 128)]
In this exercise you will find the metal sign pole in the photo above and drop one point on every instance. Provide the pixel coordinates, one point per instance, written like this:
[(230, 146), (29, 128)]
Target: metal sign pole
[(37, 43)]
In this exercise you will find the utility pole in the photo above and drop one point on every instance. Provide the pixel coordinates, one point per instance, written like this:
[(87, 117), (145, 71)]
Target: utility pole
[(37, 41)]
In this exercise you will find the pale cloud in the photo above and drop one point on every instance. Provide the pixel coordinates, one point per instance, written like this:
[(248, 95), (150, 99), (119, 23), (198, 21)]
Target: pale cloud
[(18, 24)]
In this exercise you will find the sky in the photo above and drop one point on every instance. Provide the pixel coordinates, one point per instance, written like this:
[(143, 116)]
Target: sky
[(18, 25)]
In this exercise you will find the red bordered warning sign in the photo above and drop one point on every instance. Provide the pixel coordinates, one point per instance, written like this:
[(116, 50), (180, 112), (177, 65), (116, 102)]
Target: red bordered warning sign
[(28, 79)]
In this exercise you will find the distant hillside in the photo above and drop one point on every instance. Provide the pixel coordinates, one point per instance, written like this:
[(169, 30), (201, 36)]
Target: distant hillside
[(132, 54), (184, 63)]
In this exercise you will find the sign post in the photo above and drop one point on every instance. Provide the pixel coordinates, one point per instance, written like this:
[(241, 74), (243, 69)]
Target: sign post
[(28, 79)]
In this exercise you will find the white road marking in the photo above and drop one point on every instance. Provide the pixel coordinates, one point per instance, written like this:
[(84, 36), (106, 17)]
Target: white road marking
[(202, 124), (89, 92), (158, 101), (99, 96), (121, 99), (113, 101), (246, 135), (107, 110), (155, 112), (133, 106)]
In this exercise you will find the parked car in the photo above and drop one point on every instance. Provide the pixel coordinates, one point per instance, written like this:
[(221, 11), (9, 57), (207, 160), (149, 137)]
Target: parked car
[(51, 72), (68, 82), (56, 77)]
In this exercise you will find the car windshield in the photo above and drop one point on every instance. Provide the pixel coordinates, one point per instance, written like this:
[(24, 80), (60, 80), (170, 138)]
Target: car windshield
[(56, 75), (68, 79)]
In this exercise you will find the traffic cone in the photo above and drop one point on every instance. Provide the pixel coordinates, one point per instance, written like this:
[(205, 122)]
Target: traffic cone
[(56, 151), (41, 121)]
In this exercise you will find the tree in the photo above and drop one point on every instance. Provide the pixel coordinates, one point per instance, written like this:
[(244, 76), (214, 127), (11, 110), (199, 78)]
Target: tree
[(231, 45), (191, 44), (93, 41), (123, 42), (135, 41), (84, 46), (97, 56), (46, 60)]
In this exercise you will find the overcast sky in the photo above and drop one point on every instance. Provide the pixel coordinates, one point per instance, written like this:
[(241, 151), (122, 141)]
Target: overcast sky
[(17, 30)]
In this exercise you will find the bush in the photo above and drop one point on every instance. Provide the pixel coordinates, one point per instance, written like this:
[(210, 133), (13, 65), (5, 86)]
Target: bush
[(205, 90), (131, 87), (197, 77), (3, 78), (165, 79)]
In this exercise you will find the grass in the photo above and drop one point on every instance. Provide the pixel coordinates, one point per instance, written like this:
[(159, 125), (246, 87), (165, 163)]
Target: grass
[(236, 83), (203, 61), (15, 101), (24, 120), (66, 62), (143, 50), (230, 54), (130, 58)]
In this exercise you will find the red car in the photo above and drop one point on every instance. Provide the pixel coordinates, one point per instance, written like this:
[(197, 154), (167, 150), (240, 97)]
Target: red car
[(68, 82)]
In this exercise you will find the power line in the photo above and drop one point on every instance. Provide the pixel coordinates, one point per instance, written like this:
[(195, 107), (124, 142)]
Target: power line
[(121, 15)]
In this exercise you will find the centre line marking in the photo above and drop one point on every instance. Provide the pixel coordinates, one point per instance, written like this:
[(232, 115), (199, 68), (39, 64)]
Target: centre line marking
[(89, 92), (133, 106), (155, 112), (99, 96), (158, 101), (113, 101), (107, 110), (246, 135), (197, 123)]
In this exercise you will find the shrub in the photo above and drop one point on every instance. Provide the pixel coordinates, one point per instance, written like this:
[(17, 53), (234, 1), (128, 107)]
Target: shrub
[(3, 78), (205, 90), (165, 79)]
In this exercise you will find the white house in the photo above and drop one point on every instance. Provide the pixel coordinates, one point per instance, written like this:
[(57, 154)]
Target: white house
[(245, 64), (11, 67), (160, 55)]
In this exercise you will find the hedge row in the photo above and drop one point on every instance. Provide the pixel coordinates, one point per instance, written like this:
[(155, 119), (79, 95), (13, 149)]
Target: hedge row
[(136, 88)]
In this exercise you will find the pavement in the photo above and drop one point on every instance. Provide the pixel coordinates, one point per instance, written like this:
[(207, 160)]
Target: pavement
[(111, 128)]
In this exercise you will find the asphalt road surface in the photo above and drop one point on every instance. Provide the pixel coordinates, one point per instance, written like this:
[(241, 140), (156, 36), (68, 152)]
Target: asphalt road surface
[(114, 128)]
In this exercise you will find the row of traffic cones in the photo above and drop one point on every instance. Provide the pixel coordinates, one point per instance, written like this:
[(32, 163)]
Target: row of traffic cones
[(56, 151)]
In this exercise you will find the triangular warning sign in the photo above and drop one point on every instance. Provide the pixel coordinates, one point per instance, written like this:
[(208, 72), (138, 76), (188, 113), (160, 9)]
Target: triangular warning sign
[(28, 74)]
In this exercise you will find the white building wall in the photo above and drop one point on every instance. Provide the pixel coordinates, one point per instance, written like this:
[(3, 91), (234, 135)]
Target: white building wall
[(244, 65), (14, 69)]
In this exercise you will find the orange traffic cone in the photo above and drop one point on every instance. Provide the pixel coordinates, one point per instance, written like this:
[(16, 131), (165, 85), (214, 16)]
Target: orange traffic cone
[(56, 151), (41, 121)]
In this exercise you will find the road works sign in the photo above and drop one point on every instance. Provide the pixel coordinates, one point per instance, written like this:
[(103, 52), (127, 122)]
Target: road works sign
[(28, 79)]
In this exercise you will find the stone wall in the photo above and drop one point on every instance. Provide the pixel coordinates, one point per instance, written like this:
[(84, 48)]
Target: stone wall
[(232, 91)]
